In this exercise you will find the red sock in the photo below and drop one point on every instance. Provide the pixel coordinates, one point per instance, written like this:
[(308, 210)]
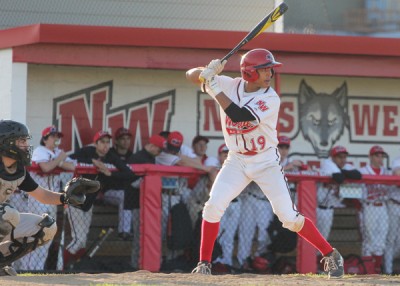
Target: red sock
[(310, 233), (209, 233)]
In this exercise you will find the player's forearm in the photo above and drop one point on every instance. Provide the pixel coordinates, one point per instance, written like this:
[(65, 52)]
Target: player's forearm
[(49, 166), (68, 166), (46, 196), (190, 162)]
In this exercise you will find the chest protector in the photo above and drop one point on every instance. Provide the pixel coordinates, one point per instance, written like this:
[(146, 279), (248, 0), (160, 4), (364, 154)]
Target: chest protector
[(9, 183)]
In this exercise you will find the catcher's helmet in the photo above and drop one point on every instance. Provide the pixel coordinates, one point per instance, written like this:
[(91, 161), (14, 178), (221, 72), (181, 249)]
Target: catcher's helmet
[(10, 131), (256, 59)]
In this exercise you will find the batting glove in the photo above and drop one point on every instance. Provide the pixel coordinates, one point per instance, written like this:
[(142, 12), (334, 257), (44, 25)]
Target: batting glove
[(217, 66), (213, 68), (212, 87)]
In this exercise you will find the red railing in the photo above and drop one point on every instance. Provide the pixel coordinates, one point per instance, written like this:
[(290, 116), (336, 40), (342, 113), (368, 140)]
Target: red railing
[(150, 207)]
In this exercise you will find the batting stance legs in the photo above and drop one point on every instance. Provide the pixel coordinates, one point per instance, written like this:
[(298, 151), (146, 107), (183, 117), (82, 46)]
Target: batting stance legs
[(236, 173)]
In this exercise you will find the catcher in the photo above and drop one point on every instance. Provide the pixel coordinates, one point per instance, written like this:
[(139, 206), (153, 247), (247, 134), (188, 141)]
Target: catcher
[(20, 233)]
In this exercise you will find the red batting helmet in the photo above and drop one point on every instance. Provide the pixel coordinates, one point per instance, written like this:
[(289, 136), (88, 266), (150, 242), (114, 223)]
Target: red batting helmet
[(256, 59)]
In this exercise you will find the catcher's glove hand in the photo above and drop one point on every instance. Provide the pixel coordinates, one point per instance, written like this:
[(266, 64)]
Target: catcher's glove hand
[(75, 190)]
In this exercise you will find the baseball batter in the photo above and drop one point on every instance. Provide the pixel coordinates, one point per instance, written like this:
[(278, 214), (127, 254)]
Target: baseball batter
[(20, 233), (249, 115)]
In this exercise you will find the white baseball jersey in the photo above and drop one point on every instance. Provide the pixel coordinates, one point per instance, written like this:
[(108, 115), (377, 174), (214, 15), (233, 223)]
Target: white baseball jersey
[(42, 154), (257, 135), (396, 163), (394, 192), (168, 159), (212, 162), (328, 194), (374, 192)]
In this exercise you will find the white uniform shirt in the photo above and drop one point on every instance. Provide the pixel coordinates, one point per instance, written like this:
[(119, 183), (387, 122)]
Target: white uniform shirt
[(374, 192), (257, 135), (394, 192), (40, 155), (328, 194), (171, 160), (396, 163), (213, 162)]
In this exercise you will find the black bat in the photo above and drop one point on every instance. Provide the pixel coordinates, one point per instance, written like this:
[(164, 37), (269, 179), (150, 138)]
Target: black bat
[(262, 26)]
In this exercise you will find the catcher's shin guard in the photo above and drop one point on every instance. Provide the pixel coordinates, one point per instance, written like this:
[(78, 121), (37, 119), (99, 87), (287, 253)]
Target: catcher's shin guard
[(18, 249)]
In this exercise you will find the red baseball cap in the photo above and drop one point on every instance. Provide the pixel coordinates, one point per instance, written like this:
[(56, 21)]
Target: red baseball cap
[(158, 141), (51, 130), (338, 150), (223, 148), (377, 150), (101, 134), (121, 132), (284, 140), (174, 141)]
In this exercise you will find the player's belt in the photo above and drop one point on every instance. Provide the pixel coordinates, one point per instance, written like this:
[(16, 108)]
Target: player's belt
[(248, 153)]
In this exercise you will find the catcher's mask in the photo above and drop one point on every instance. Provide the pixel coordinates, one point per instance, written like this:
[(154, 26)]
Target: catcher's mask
[(256, 59), (10, 132)]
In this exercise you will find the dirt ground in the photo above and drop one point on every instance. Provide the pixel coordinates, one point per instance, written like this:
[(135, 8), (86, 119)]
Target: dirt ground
[(147, 278)]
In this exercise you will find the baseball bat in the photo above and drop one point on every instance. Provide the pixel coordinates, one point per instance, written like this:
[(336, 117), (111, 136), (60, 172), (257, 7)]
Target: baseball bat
[(61, 247), (103, 237), (259, 28)]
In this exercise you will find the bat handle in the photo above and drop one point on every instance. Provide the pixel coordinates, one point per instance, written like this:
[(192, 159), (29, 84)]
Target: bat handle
[(203, 80), (226, 57)]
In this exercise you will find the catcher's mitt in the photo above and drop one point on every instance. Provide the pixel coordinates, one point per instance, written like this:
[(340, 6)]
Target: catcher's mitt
[(75, 190)]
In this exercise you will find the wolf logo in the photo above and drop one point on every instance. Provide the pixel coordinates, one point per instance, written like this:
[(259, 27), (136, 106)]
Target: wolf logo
[(323, 117)]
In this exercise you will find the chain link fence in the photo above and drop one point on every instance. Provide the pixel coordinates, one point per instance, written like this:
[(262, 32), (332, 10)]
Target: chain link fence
[(251, 238)]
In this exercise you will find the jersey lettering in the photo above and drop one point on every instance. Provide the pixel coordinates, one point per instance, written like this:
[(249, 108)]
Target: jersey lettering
[(262, 105), (244, 127)]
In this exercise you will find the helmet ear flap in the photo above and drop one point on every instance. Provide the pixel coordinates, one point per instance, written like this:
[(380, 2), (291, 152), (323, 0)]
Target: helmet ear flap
[(249, 74)]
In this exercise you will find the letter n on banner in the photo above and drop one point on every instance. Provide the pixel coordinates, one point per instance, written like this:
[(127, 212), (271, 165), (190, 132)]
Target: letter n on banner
[(208, 117)]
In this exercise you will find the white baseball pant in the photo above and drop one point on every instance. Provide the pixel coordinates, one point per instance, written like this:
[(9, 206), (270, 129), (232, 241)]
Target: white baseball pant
[(36, 259), (325, 221), (393, 237), (228, 226), (256, 213), (116, 198), (264, 169), (375, 227), (80, 225)]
